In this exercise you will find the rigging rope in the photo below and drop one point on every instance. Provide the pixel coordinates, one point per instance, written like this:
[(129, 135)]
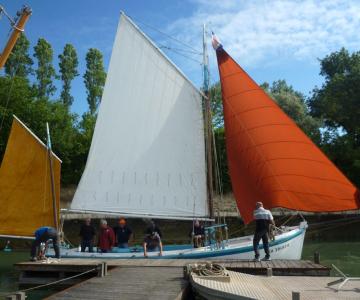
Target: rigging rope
[(165, 34)]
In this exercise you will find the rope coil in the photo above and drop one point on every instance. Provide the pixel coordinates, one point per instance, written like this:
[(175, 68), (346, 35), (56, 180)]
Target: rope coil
[(209, 269)]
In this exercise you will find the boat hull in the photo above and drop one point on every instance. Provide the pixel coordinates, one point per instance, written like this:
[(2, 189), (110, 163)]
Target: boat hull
[(287, 245)]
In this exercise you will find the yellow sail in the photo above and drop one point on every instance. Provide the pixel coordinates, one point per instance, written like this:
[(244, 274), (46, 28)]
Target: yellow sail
[(25, 184)]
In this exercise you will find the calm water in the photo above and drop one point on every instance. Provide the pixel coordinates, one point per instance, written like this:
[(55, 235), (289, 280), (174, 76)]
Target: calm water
[(345, 255)]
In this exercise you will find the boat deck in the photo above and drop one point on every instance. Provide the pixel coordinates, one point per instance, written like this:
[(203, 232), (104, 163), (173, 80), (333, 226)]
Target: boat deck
[(245, 286)]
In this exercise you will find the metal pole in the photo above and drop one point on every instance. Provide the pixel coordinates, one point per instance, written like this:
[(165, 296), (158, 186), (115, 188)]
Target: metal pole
[(53, 192), (208, 125)]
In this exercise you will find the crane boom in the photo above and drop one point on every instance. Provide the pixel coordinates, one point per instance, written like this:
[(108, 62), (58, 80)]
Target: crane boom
[(18, 27)]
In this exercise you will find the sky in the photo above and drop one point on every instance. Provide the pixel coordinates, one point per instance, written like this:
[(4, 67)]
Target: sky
[(270, 39)]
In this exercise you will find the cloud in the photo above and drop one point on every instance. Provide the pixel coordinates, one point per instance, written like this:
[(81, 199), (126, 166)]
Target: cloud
[(261, 32)]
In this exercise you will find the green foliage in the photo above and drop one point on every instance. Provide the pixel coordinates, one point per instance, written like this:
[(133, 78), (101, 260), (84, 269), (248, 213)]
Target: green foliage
[(94, 78), (338, 103), (216, 106), (19, 62), (45, 72), (68, 63)]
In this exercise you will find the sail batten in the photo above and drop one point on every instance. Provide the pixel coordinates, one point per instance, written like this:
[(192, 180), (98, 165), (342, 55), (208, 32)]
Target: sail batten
[(147, 152), (270, 159)]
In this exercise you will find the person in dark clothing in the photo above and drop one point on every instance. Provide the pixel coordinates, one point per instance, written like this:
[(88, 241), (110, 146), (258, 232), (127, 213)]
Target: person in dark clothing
[(87, 233), (123, 233), (263, 218), (197, 234), (43, 235), (152, 240), (153, 228)]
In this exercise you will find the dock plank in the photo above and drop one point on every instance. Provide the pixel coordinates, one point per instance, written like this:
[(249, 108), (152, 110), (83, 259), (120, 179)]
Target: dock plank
[(130, 283)]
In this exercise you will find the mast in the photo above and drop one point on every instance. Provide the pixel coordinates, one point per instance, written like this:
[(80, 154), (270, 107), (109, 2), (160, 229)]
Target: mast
[(18, 28), (208, 125), (52, 177)]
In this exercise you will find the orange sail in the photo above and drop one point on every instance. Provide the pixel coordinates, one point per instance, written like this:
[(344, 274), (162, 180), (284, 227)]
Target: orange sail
[(270, 159), (25, 188)]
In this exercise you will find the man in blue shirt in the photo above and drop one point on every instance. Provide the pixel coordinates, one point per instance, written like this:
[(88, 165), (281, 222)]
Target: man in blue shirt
[(43, 235)]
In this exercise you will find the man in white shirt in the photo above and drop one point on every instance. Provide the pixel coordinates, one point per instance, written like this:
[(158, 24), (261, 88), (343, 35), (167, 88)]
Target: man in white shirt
[(263, 218)]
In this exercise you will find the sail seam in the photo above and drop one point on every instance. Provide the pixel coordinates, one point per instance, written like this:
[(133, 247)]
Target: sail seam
[(244, 92), (306, 176), (307, 193)]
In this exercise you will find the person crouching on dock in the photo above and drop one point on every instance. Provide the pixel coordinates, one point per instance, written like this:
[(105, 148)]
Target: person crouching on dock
[(263, 218), (152, 241), (44, 235)]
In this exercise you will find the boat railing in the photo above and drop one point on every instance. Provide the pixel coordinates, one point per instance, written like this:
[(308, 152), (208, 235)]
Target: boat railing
[(216, 236)]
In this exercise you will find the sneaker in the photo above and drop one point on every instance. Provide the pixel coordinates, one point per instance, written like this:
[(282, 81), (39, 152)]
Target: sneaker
[(33, 259), (256, 259), (266, 258)]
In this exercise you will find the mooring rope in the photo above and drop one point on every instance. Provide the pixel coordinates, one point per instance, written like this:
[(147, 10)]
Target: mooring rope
[(208, 269), (55, 282)]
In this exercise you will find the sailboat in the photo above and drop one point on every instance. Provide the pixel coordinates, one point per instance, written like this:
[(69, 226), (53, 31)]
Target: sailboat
[(148, 160), (29, 184)]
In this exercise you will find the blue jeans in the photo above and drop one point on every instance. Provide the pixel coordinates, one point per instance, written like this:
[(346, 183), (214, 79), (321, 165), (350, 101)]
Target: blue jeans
[(123, 245), (86, 243), (261, 235)]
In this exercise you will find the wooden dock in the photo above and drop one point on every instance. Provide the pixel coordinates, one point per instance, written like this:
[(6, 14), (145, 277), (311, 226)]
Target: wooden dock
[(143, 278), (34, 273), (245, 286), (167, 283)]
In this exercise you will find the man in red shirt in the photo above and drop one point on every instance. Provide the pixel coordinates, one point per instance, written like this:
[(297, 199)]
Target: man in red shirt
[(106, 237)]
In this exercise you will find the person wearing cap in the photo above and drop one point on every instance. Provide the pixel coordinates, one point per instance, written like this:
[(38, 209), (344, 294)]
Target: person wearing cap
[(123, 234), (87, 234), (106, 237), (263, 219), (44, 235), (152, 240)]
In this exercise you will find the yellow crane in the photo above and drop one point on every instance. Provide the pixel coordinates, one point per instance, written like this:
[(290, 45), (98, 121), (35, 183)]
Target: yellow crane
[(17, 29)]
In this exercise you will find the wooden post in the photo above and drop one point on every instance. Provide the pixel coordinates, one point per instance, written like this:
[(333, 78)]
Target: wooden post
[(16, 296), (105, 268), (295, 296), (317, 257), (102, 269)]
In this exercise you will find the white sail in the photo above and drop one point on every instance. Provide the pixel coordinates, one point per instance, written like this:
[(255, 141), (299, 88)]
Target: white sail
[(147, 156)]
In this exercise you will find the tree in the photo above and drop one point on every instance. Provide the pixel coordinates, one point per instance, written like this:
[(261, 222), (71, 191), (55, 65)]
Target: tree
[(94, 78), (337, 101), (68, 63), (45, 72), (19, 62)]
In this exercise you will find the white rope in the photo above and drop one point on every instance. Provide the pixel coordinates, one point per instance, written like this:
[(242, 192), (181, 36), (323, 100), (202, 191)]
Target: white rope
[(58, 281), (208, 269)]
